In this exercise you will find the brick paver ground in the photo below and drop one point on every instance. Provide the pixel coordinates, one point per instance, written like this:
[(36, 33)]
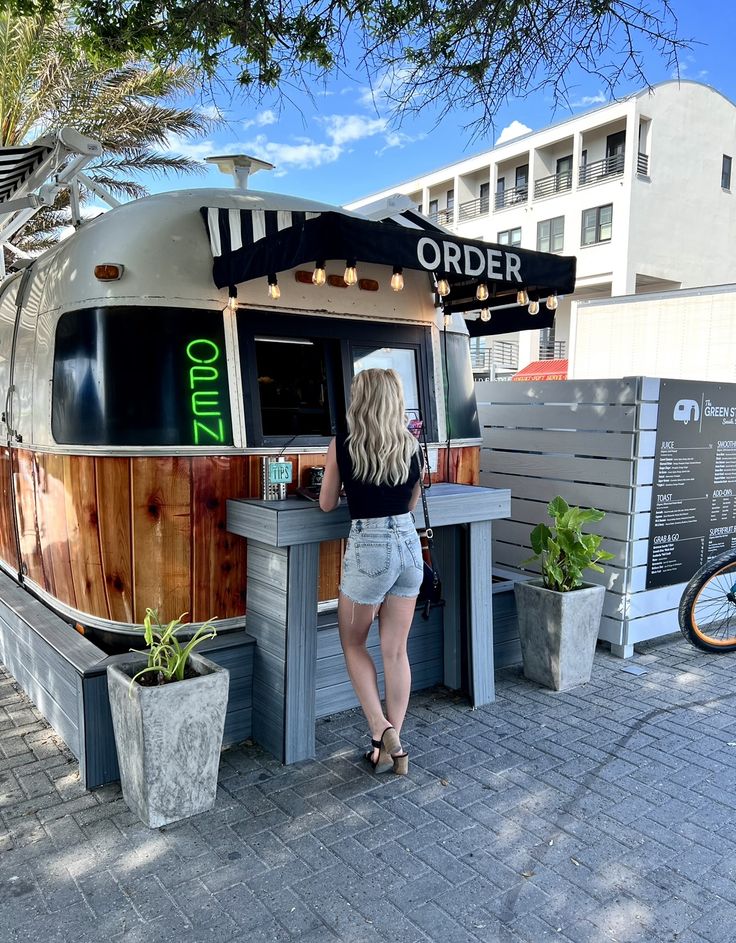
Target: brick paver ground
[(602, 814)]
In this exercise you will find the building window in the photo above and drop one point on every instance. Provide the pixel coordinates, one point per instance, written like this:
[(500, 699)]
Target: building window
[(450, 199), (551, 234), (597, 225), (510, 237), (484, 197), (433, 207), (726, 172)]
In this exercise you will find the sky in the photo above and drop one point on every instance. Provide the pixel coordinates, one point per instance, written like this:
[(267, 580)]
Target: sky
[(341, 143)]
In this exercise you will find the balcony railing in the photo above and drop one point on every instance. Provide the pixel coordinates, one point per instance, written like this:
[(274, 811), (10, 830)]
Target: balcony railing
[(642, 164), (556, 183), (504, 354), (557, 350), (474, 208), (443, 217), (511, 196), (612, 166)]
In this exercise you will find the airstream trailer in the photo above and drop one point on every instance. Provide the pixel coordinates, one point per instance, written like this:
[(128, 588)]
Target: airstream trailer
[(152, 360)]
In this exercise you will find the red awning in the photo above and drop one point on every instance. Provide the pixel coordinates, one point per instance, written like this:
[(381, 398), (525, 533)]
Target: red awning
[(543, 370)]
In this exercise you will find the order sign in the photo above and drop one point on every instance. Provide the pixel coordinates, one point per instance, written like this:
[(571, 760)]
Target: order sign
[(694, 494)]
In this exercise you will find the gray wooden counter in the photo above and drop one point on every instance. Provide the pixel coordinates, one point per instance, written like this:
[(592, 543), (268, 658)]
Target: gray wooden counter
[(283, 556)]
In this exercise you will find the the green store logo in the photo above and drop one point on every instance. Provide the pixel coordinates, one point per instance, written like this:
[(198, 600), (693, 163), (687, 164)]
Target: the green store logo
[(204, 386)]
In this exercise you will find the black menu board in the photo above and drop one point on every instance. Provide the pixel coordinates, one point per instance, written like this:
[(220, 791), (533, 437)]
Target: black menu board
[(694, 493)]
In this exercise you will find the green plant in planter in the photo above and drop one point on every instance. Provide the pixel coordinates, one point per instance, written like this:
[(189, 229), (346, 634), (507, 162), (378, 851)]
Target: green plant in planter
[(167, 656), (565, 551)]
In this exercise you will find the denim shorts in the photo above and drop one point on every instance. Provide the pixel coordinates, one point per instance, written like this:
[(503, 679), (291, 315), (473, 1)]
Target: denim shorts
[(383, 556)]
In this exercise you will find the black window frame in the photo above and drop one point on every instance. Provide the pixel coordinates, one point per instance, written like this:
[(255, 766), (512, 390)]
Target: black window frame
[(597, 210), (726, 168), (504, 232), (340, 335), (549, 222)]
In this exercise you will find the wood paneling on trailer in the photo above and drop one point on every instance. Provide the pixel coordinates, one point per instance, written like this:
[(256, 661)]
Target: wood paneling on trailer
[(111, 536)]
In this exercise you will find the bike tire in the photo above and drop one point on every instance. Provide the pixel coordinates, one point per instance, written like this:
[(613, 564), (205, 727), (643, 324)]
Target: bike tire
[(707, 612)]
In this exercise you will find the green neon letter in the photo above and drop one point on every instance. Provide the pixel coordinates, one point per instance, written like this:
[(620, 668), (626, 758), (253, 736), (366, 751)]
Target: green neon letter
[(216, 433), (210, 353), (204, 398), (200, 374)]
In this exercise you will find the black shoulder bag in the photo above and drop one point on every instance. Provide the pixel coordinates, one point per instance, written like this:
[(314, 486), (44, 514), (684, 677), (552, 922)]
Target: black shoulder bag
[(430, 592)]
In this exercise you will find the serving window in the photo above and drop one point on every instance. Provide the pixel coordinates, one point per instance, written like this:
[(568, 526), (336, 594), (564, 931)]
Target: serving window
[(297, 372), (140, 376)]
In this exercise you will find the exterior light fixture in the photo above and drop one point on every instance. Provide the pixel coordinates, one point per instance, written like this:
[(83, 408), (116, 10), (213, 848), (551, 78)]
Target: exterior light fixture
[(351, 275), (274, 292), (552, 302), (397, 279), (447, 320), (522, 298), (232, 301), (109, 271), (319, 276), (481, 292), (485, 314), (533, 307), (443, 287)]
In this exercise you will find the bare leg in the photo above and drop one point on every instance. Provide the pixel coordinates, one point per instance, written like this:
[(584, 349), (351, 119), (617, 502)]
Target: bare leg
[(395, 620), (354, 622)]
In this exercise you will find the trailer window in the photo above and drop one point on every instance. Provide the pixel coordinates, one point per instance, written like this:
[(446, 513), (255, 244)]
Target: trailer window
[(141, 377), (297, 371), (402, 360), (292, 385)]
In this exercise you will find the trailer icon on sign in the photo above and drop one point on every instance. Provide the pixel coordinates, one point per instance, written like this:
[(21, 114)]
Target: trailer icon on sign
[(686, 410)]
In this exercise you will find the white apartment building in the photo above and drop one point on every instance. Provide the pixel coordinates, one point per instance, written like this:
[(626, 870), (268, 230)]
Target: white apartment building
[(640, 191)]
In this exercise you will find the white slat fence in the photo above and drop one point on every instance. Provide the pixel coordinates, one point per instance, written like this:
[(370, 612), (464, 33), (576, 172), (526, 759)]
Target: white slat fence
[(593, 442)]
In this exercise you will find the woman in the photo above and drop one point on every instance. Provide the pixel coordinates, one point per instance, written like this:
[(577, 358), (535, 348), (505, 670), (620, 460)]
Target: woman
[(378, 464)]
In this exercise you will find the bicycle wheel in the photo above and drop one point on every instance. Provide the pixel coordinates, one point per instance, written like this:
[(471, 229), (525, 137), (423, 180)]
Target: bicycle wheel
[(708, 606)]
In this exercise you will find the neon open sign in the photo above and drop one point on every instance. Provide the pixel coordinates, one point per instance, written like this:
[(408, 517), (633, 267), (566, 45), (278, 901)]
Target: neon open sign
[(205, 377)]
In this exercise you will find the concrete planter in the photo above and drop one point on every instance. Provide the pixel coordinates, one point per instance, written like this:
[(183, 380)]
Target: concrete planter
[(168, 739), (558, 632)]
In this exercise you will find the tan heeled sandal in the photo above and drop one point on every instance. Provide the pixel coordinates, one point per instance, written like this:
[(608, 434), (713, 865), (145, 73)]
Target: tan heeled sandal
[(386, 746), (401, 763)]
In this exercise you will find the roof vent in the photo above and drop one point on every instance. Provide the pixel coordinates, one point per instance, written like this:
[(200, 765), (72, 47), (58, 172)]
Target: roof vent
[(239, 166)]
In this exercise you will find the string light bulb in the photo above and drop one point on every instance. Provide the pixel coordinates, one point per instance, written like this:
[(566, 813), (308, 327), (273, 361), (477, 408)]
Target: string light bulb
[(522, 298), (351, 273), (232, 301), (551, 302), (533, 307), (319, 276), (443, 287), (274, 292), (481, 292), (397, 279), (485, 314)]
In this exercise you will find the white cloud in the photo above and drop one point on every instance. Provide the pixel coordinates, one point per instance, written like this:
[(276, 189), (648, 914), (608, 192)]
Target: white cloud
[(195, 150), (262, 120), (384, 87), (511, 131), (343, 129), (398, 139), (587, 100), (302, 154)]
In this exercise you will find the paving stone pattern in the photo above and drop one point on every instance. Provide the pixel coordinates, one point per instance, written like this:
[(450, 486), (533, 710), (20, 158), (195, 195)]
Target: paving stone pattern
[(602, 814)]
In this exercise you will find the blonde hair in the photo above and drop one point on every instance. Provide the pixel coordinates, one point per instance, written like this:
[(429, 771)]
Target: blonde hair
[(379, 443)]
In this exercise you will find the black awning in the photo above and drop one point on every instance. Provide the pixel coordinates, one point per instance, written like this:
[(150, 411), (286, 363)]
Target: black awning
[(248, 244), (17, 164)]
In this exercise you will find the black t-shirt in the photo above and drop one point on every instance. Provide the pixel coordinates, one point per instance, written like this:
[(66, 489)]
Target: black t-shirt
[(368, 500)]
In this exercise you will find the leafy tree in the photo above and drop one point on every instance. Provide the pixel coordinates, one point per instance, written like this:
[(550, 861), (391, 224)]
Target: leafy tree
[(48, 80), (466, 54)]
